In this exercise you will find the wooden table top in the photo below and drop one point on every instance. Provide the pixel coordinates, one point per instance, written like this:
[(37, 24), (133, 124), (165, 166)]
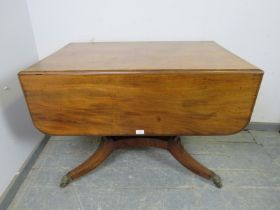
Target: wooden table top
[(142, 56), (155, 88)]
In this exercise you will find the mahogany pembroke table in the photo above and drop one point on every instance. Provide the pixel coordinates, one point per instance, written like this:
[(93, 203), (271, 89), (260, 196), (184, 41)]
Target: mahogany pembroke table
[(141, 94)]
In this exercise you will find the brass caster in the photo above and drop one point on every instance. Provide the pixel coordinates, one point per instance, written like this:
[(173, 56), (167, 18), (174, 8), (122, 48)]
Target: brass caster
[(65, 181), (217, 181)]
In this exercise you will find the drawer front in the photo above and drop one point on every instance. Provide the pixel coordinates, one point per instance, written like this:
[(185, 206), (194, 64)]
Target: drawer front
[(190, 103)]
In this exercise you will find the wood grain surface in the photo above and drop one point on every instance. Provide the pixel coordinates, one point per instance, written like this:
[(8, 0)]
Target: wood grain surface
[(126, 56), (174, 103), (109, 144)]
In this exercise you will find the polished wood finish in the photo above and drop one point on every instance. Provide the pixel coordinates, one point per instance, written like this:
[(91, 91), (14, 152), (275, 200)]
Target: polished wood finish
[(172, 144), (177, 150), (188, 103), (163, 88), (98, 57), (104, 150)]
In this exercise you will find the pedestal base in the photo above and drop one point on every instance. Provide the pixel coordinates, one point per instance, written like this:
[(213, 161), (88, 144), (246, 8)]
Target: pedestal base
[(172, 144)]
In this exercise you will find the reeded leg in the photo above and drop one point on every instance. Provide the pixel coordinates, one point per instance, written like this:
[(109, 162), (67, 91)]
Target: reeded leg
[(104, 150), (177, 150)]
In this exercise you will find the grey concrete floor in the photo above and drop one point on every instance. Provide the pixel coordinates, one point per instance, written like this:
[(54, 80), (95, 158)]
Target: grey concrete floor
[(149, 178)]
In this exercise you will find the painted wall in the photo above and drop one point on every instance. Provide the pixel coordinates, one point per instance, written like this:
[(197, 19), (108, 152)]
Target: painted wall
[(17, 50), (248, 28)]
